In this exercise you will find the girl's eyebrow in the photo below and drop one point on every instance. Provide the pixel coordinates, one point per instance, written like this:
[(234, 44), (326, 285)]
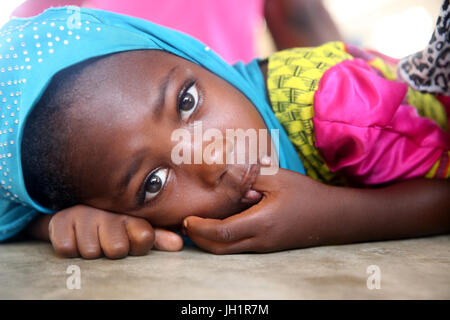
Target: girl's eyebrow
[(162, 93)]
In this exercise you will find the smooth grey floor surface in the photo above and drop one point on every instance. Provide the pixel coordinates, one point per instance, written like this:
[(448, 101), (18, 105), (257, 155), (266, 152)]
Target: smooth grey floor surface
[(409, 269)]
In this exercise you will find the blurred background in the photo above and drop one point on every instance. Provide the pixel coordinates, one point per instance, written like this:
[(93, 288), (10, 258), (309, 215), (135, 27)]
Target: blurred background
[(394, 27), (240, 30)]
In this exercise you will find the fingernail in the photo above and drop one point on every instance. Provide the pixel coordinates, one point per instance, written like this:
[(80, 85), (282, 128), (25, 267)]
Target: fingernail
[(185, 224), (266, 161), (251, 196)]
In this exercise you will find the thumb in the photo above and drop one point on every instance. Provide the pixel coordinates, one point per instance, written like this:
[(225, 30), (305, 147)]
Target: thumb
[(166, 240)]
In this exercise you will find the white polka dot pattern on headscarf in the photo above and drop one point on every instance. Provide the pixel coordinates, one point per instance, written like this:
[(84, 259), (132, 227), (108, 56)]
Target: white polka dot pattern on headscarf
[(23, 48), (33, 50)]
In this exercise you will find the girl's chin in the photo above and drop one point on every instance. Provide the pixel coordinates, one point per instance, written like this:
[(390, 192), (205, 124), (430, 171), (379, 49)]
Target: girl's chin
[(237, 208), (250, 198)]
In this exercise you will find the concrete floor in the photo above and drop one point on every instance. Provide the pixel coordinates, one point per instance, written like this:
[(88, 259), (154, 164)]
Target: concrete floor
[(409, 269)]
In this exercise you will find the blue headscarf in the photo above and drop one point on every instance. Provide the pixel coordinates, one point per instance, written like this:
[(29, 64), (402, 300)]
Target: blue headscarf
[(33, 50)]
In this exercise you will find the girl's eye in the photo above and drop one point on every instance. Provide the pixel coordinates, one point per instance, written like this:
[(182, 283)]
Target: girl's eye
[(155, 183), (188, 102)]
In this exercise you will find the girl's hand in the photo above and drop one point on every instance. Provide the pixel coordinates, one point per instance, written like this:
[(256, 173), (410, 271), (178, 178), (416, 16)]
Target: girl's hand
[(91, 233), (291, 214), (296, 211)]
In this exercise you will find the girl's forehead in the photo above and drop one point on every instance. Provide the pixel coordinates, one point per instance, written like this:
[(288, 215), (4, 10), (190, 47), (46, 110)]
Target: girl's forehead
[(118, 80), (122, 90), (156, 58)]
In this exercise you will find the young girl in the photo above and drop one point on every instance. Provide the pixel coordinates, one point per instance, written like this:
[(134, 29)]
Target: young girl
[(90, 102)]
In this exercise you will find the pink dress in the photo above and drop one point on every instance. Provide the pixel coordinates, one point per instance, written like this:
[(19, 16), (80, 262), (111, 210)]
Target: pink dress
[(353, 121), (374, 136)]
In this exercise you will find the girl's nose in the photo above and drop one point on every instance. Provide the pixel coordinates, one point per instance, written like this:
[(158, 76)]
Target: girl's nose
[(213, 164)]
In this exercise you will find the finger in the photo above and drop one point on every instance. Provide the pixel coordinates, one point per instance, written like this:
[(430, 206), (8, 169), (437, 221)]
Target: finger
[(167, 240), (140, 234), (113, 238), (243, 245), (236, 227), (86, 234), (62, 236)]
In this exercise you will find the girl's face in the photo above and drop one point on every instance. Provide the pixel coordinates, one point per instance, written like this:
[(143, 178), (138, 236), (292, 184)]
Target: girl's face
[(124, 153)]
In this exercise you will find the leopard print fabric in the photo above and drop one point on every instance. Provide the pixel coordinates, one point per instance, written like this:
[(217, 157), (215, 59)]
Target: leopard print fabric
[(429, 70)]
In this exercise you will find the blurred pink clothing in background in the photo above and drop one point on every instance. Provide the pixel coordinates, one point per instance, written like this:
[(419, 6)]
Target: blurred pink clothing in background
[(228, 27)]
